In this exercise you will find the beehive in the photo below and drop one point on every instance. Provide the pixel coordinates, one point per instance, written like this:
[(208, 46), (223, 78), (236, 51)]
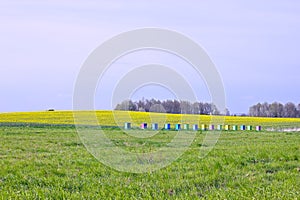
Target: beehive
[(167, 126), (234, 127), (243, 128), (220, 127), (186, 126), (195, 127), (127, 125), (227, 127), (203, 127), (143, 126), (155, 126), (258, 128)]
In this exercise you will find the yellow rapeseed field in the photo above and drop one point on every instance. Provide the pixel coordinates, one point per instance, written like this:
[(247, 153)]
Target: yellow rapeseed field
[(114, 118)]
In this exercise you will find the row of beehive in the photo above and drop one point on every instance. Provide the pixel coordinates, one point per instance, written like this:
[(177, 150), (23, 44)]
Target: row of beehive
[(195, 127)]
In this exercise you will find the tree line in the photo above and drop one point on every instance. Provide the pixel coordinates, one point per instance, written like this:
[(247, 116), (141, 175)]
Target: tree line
[(170, 106), (275, 110)]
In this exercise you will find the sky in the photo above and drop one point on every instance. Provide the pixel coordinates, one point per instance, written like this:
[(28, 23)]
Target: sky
[(254, 45)]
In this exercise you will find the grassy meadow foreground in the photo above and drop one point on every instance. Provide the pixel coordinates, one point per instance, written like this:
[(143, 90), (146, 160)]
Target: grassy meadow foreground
[(42, 157)]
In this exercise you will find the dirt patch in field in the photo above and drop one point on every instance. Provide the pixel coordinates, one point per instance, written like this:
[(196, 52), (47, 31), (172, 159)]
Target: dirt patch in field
[(284, 129)]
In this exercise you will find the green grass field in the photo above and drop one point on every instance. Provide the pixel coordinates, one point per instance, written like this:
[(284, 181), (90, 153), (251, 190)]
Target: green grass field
[(50, 162)]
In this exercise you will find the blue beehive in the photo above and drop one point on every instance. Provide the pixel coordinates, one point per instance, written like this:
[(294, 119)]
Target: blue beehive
[(195, 127), (144, 126), (243, 127), (177, 127), (211, 127), (155, 126), (167, 126), (127, 125)]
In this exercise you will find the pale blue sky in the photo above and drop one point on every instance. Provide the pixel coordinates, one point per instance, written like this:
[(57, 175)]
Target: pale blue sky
[(254, 44)]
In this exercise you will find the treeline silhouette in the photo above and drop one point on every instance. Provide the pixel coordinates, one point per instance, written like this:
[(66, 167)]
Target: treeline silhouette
[(275, 110), (171, 106)]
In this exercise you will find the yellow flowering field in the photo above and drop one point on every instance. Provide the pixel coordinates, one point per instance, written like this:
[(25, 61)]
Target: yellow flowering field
[(113, 118)]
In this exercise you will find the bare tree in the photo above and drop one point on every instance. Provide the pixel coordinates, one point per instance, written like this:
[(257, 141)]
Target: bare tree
[(186, 107), (169, 106), (264, 109), (196, 108), (227, 112), (290, 110), (126, 105), (276, 109), (141, 105), (176, 107)]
